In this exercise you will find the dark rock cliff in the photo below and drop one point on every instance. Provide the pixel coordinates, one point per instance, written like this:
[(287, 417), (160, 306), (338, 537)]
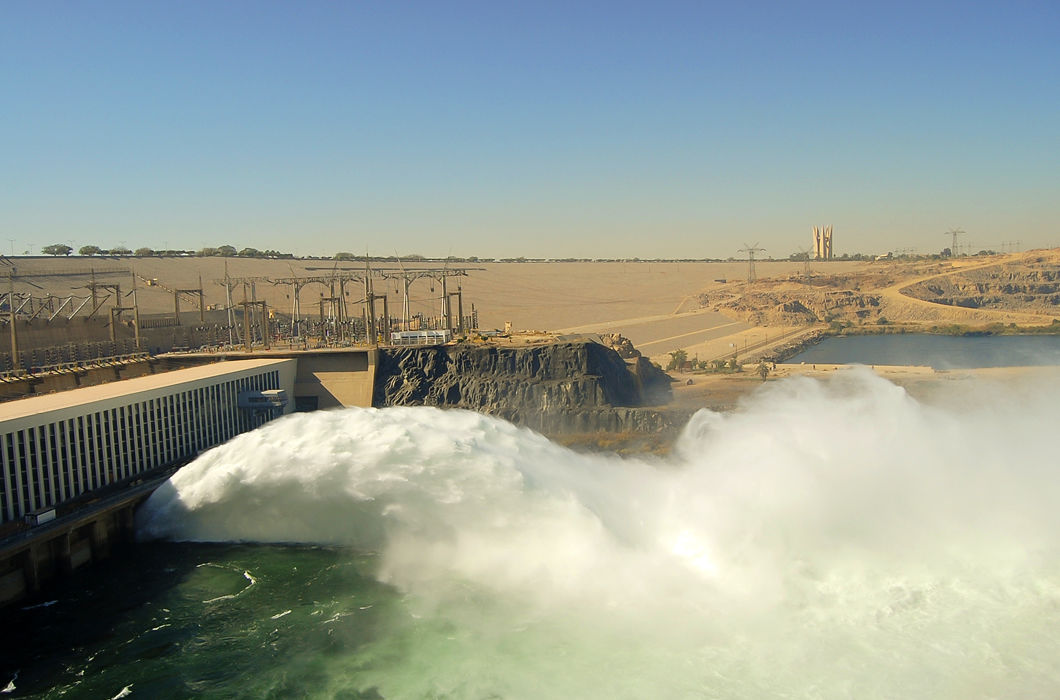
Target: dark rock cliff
[(561, 388)]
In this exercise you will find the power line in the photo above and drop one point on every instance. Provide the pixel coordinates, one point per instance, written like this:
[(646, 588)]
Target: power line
[(751, 250), (954, 233)]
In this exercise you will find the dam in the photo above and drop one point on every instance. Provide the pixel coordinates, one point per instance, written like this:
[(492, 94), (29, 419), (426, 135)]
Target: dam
[(74, 464)]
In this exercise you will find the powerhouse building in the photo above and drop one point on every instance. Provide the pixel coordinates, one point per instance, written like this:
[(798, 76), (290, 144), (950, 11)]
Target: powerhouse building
[(58, 446)]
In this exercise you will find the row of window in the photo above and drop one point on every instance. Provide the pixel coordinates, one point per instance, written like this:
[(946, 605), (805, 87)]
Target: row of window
[(51, 463)]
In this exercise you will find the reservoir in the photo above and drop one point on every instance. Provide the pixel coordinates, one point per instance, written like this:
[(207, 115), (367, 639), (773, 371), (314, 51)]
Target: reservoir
[(937, 351)]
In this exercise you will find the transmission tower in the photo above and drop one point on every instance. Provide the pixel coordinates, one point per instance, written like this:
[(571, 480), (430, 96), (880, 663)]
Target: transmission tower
[(806, 272), (751, 250), (954, 233)]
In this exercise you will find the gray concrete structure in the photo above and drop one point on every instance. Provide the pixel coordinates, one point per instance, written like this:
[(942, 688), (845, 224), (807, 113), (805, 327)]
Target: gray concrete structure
[(56, 447)]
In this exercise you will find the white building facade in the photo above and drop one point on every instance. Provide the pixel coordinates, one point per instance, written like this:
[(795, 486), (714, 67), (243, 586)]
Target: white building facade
[(57, 447)]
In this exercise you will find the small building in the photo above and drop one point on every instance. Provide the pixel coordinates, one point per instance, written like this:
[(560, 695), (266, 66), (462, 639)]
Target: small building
[(266, 400), (424, 337)]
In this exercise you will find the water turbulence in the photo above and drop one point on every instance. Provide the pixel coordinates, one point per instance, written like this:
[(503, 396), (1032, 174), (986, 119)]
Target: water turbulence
[(828, 539)]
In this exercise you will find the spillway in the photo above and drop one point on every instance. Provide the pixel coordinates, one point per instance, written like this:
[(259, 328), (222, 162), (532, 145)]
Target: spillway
[(825, 540)]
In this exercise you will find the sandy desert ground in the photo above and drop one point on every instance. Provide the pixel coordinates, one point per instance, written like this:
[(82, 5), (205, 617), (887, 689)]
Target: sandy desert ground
[(538, 296), (653, 304), (657, 305)]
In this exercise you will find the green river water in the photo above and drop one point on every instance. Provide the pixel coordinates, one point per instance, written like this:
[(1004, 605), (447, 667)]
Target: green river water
[(830, 539)]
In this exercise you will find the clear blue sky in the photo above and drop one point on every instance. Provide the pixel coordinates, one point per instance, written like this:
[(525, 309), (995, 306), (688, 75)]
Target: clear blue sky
[(543, 129)]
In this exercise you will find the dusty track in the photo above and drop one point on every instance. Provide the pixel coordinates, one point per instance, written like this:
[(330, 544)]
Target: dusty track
[(896, 295)]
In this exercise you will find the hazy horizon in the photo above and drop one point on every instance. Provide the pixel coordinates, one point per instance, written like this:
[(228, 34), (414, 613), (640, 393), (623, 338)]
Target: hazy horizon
[(618, 130)]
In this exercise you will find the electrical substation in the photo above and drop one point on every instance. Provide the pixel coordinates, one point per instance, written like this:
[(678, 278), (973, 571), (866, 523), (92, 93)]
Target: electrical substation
[(106, 311)]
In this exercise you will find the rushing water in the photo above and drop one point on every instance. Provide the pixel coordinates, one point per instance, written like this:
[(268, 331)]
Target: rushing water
[(830, 539), (938, 351)]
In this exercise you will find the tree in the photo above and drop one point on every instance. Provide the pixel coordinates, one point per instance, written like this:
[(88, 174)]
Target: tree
[(677, 359), (120, 250), (342, 256), (209, 252), (57, 249), (144, 252), (90, 250), (249, 253), (226, 251), (763, 370)]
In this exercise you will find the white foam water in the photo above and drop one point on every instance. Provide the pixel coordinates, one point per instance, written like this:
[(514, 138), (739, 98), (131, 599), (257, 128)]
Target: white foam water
[(828, 539)]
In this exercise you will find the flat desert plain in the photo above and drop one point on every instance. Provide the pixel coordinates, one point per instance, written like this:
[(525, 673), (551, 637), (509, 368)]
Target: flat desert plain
[(652, 303)]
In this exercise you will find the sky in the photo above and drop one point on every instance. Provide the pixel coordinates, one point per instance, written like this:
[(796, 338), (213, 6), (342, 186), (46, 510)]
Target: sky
[(536, 129)]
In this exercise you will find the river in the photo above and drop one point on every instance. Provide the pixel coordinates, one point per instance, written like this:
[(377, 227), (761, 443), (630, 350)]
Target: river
[(831, 539)]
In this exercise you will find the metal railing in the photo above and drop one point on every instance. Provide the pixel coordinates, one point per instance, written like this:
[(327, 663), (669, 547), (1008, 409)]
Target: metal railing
[(77, 365)]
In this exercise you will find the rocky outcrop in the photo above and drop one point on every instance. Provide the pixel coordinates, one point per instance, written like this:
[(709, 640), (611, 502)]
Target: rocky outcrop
[(620, 344), (880, 292), (1032, 287), (792, 304), (573, 387)]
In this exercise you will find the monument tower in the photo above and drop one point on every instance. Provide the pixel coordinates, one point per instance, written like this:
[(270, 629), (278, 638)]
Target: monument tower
[(822, 242)]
